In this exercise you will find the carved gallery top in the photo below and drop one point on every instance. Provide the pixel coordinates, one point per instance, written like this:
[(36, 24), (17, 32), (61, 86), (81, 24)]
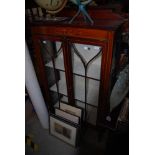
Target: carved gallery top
[(103, 19)]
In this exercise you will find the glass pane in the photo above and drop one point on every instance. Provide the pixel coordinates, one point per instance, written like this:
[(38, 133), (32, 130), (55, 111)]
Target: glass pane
[(92, 87), (64, 99), (79, 88), (94, 68), (52, 54), (87, 53), (58, 57), (92, 91), (61, 84)]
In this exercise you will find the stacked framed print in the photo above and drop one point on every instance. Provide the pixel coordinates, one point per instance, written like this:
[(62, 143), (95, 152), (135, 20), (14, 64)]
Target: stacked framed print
[(67, 116), (65, 124), (72, 110)]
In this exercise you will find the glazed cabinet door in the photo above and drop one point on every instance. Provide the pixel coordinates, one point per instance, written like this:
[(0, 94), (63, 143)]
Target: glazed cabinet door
[(74, 71), (86, 64), (52, 64)]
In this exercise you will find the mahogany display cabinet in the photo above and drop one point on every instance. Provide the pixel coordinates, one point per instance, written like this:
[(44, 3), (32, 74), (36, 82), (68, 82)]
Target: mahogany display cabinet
[(77, 63)]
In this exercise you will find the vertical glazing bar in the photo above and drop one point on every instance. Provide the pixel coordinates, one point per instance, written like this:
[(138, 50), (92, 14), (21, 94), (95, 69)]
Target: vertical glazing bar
[(85, 67), (68, 71)]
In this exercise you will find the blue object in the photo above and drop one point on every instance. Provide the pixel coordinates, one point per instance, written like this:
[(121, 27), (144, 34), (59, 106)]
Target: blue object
[(82, 9)]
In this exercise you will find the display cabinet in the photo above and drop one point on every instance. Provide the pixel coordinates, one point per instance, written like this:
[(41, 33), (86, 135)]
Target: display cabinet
[(77, 63)]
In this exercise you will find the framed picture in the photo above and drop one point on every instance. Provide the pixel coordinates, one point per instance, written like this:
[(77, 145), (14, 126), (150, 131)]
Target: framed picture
[(71, 110), (63, 130), (68, 116)]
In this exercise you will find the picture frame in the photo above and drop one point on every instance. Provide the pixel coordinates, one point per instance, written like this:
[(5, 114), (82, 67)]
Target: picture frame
[(73, 118), (72, 109), (64, 130)]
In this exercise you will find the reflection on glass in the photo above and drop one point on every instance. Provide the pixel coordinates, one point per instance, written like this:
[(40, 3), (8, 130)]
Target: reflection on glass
[(64, 99), (58, 58), (61, 84)]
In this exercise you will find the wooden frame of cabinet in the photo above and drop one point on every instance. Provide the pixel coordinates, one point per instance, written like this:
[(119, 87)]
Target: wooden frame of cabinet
[(104, 36)]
